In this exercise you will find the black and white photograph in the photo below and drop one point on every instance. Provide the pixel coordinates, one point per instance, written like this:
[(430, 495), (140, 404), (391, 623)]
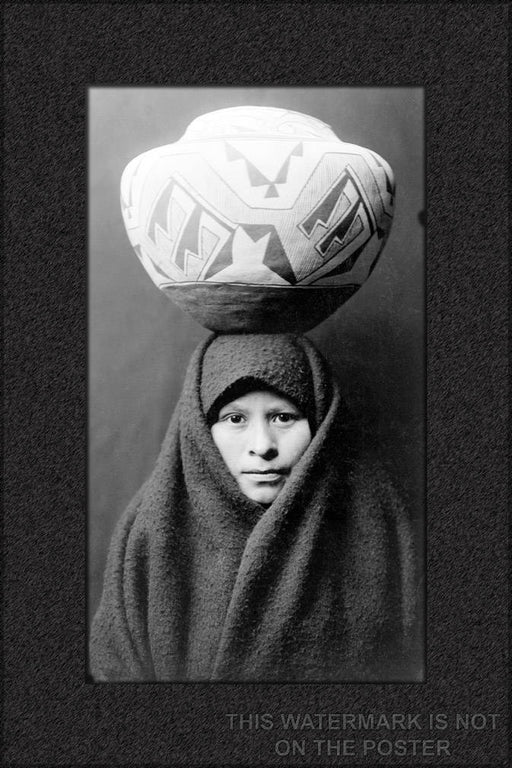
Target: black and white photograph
[(256, 384)]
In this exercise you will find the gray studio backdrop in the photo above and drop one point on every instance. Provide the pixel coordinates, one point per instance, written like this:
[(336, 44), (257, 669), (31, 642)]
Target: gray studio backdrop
[(140, 343)]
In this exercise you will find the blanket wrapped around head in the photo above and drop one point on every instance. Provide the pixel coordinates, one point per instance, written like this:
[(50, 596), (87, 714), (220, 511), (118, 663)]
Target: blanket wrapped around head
[(203, 583)]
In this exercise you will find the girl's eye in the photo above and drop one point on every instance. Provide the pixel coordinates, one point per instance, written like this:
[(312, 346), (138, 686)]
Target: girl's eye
[(285, 418), (234, 418)]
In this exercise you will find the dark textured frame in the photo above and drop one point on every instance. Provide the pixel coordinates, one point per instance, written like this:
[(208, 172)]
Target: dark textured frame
[(53, 52)]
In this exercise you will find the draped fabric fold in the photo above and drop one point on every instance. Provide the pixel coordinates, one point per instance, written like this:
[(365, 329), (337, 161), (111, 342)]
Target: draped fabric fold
[(204, 584)]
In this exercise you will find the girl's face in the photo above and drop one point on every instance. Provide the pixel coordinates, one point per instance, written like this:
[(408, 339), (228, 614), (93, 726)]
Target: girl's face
[(261, 436)]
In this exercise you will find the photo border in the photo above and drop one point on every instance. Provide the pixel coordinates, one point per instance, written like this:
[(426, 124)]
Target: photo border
[(53, 717)]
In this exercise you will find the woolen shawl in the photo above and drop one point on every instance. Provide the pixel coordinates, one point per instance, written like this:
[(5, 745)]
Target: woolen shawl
[(204, 584)]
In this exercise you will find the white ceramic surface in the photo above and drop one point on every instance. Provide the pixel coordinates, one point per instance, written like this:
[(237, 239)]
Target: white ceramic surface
[(258, 196)]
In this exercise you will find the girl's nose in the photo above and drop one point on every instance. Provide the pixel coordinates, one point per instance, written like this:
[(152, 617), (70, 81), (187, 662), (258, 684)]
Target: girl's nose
[(261, 441)]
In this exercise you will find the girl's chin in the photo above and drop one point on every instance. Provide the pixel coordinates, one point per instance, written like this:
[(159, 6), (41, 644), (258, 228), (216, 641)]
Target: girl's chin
[(263, 494)]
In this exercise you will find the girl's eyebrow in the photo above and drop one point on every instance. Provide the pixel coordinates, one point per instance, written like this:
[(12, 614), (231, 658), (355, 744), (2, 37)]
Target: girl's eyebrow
[(235, 405), (284, 409)]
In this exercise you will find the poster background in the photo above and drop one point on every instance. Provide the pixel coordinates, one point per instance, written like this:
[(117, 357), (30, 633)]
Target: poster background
[(53, 52), (140, 343)]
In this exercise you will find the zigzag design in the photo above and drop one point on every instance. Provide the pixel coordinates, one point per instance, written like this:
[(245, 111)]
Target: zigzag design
[(201, 241)]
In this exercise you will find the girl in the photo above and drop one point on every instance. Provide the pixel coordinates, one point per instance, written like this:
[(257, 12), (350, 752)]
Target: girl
[(265, 546)]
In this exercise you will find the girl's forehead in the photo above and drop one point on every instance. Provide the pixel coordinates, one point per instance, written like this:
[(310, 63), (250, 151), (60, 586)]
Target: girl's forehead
[(259, 398)]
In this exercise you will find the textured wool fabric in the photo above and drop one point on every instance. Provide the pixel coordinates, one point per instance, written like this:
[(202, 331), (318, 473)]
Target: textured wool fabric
[(204, 584)]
